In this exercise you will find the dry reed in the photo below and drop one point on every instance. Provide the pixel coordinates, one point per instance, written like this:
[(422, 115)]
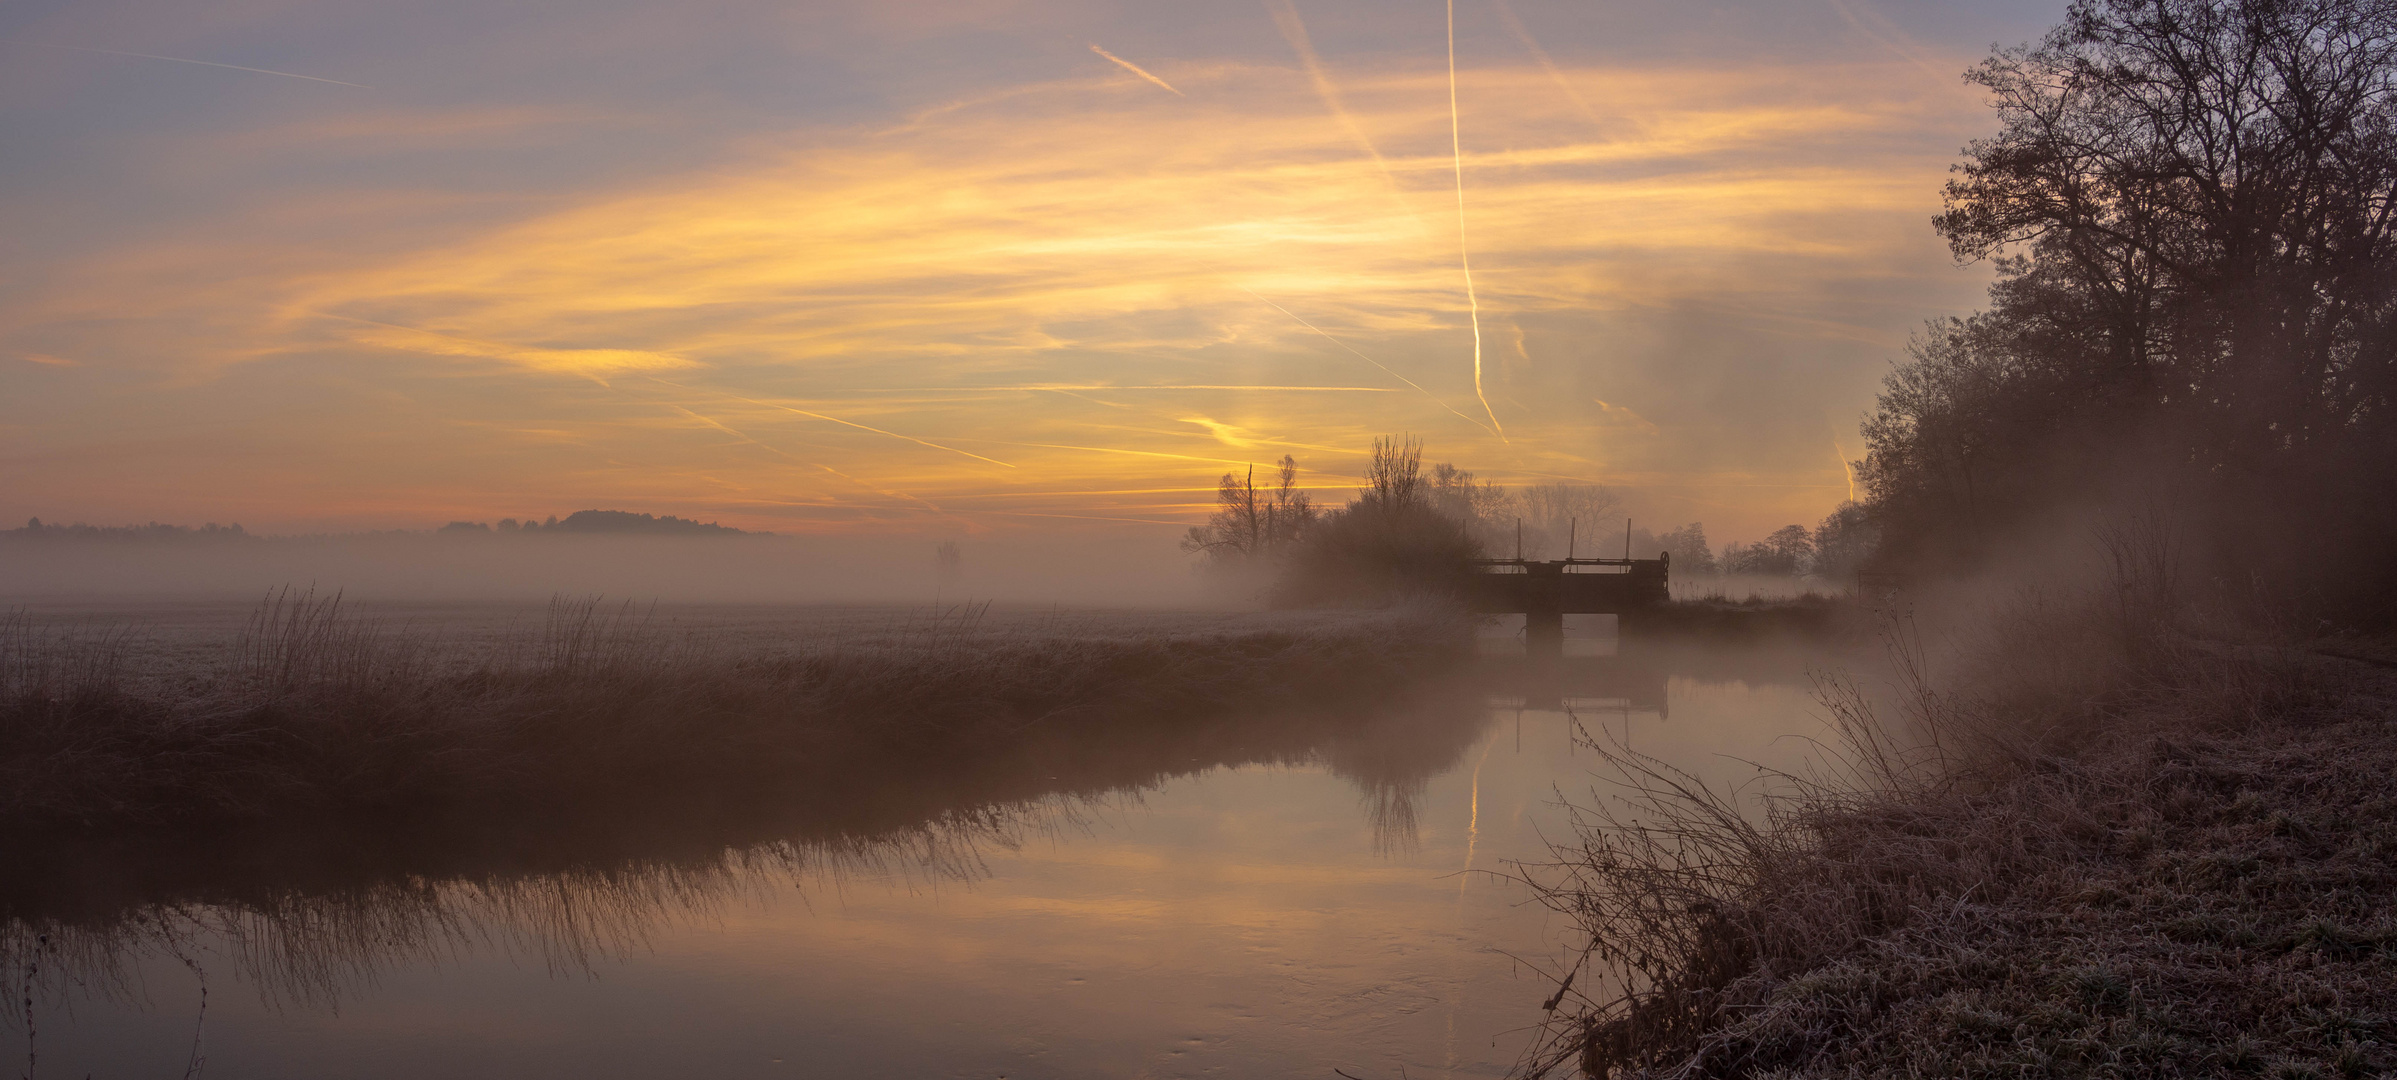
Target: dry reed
[(324, 717), (2110, 847)]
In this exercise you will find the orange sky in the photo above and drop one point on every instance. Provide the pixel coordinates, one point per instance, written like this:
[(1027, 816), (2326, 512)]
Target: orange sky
[(992, 295)]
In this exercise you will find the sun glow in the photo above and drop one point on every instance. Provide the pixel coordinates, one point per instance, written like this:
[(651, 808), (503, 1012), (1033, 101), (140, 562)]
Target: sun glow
[(1033, 294)]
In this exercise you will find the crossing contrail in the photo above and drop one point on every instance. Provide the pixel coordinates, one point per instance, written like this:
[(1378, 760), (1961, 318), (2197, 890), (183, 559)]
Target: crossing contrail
[(202, 63), (1456, 148), (1136, 69), (1294, 30), (1361, 356), (834, 419), (1506, 14)]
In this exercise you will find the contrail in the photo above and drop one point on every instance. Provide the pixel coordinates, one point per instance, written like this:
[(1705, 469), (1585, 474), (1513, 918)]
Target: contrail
[(1120, 450), (1385, 368), (1081, 517), (1456, 147), (1506, 14), (754, 441), (836, 420), (202, 63), (1293, 30), (1136, 69), (1874, 25), (927, 503)]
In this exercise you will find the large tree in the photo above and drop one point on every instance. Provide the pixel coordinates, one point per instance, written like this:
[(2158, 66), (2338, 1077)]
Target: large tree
[(2191, 206)]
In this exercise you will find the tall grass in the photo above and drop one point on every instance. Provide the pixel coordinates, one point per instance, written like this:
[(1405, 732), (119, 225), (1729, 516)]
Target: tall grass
[(339, 794), (2100, 839), (606, 710)]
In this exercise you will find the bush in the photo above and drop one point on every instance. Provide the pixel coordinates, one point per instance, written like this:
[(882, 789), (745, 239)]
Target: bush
[(1392, 542)]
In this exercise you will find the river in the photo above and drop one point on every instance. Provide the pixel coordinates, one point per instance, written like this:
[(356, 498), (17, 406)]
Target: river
[(1279, 913)]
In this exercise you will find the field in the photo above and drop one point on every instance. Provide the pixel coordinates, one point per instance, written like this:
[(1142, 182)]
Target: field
[(457, 732)]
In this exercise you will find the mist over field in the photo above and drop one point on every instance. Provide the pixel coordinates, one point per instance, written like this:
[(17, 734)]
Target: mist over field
[(1090, 571), (1480, 538)]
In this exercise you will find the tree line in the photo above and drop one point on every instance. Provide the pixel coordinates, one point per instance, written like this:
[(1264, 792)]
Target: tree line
[(2192, 209), (1415, 528)]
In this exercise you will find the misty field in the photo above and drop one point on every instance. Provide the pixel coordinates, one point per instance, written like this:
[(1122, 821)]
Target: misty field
[(305, 714)]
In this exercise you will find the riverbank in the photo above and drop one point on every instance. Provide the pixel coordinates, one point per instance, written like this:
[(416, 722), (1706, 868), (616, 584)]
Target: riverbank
[(2172, 862), (313, 719)]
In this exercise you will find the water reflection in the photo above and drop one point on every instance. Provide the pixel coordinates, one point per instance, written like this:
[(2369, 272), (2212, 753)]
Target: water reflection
[(308, 914), (1307, 940)]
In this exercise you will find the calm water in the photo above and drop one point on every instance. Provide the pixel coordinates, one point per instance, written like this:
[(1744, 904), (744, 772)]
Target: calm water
[(1318, 905)]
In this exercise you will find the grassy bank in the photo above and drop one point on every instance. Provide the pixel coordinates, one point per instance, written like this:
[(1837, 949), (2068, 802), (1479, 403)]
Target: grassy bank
[(315, 717), (2115, 848)]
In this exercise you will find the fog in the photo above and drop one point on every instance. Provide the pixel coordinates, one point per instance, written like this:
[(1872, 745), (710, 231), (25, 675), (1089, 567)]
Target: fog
[(1084, 570)]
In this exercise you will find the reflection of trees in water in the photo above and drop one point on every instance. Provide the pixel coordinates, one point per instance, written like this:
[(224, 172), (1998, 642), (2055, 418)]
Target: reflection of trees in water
[(312, 922), (315, 947), (1393, 763)]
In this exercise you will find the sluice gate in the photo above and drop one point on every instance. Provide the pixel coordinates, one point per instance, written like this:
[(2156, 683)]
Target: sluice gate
[(1545, 591)]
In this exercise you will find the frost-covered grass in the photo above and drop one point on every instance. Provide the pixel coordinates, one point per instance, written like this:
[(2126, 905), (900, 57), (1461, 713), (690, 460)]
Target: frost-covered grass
[(2118, 847), (309, 714)]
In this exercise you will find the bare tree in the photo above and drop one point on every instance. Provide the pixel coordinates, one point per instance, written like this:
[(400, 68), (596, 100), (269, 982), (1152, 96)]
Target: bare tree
[(1394, 475), (1251, 522), (1554, 515), (2192, 206), (1484, 508), (1785, 553), (1687, 545)]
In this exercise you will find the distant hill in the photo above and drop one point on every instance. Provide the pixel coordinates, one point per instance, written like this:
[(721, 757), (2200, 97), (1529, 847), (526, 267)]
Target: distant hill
[(581, 522), (153, 532), (625, 521)]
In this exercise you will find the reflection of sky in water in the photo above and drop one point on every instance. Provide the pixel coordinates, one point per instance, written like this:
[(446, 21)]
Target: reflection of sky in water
[(1243, 921)]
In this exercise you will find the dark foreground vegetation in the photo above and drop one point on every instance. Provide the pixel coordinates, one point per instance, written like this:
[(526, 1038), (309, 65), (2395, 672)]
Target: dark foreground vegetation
[(321, 722), (2133, 813), (347, 797), (2113, 848), (2189, 203)]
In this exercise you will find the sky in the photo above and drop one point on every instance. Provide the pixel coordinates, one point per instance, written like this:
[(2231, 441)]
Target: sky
[(946, 268)]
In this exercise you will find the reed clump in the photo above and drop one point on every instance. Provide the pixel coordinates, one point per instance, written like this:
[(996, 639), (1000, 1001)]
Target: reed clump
[(319, 717), (2116, 846)]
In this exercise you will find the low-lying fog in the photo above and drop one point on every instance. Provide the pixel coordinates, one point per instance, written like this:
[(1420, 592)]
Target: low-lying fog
[(1103, 570)]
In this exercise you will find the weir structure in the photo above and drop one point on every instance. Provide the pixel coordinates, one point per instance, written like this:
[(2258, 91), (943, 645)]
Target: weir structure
[(1544, 592)]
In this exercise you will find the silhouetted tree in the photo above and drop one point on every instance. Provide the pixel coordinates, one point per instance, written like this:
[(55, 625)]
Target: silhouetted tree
[(1784, 553), (1687, 545), (1480, 505), (1392, 540), (1251, 523), (1558, 517), (948, 562), (2193, 209), (1844, 542)]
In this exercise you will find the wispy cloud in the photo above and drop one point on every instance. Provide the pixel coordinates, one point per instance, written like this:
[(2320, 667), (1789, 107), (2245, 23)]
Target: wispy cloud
[(584, 363), (876, 305)]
